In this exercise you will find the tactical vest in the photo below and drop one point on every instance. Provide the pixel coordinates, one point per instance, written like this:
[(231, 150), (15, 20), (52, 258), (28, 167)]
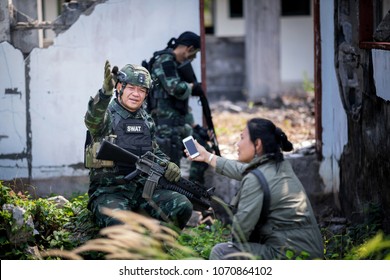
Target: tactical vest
[(132, 134), (158, 92)]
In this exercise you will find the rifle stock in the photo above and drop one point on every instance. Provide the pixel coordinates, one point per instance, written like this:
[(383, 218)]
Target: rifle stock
[(197, 194), (109, 151)]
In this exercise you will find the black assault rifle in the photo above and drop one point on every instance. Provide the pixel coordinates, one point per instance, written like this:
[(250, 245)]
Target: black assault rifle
[(186, 72), (145, 164)]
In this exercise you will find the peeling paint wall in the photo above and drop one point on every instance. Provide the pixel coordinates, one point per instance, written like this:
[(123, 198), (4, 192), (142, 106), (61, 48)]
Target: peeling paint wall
[(381, 62), (334, 119), (13, 140), (62, 78)]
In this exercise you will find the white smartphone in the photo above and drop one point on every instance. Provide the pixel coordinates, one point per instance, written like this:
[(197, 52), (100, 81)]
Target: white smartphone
[(189, 144)]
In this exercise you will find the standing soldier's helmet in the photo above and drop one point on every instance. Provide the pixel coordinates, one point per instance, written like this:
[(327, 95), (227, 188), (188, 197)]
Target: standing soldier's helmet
[(135, 75)]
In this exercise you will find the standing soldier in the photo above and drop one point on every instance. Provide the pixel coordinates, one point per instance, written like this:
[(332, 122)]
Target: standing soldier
[(168, 102)]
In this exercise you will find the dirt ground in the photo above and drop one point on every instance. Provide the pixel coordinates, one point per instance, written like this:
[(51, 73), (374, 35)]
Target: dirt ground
[(293, 114)]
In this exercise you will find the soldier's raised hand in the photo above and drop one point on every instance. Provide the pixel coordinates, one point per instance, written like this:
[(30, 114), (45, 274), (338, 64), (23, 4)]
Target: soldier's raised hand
[(108, 84)]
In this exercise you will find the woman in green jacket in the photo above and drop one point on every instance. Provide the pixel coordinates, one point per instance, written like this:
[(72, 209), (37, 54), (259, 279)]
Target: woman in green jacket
[(287, 222)]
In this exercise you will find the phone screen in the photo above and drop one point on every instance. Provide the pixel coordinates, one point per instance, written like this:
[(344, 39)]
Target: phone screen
[(190, 146)]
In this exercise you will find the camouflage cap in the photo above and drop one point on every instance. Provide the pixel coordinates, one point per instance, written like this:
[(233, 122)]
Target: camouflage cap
[(135, 75)]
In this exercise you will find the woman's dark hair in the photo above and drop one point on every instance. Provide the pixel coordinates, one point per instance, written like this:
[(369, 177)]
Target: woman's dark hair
[(187, 38), (273, 139)]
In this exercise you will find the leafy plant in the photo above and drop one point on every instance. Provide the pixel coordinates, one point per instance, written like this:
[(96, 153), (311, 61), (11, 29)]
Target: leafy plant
[(70, 232), (203, 237), (138, 237), (55, 227), (359, 241)]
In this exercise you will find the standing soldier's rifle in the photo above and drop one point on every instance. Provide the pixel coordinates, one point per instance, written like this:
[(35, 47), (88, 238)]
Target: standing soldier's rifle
[(186, 72)]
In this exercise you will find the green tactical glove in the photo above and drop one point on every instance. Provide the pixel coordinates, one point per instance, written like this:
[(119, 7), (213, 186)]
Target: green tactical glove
[(172, 173), (108, 84)]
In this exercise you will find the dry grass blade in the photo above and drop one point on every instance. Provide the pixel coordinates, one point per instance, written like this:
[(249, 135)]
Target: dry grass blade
[(125, 256), (139, 237), (169, 231), (119, 230), (133, 219), (103, 242), (70, 255), (164, 237), (89, 247)]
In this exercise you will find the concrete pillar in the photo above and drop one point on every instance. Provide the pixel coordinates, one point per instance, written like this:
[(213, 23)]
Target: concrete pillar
[(4, 21), (25, 40), (262, 48)]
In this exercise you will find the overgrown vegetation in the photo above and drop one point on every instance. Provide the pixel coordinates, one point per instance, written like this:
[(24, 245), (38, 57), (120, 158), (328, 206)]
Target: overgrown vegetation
[(361, 241), (202, 238), (63, 228), (68, 232)]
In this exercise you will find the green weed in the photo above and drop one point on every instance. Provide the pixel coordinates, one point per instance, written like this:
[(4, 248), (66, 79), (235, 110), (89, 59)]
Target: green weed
[(71, 228)]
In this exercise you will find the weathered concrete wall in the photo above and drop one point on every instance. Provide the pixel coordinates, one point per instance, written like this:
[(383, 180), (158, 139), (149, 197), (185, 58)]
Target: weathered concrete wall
[(4, 21), (381, 60), (13, 121), (334, 120), (225, 60), (25, 40), (364, 163), (355, 94), (53, 85)]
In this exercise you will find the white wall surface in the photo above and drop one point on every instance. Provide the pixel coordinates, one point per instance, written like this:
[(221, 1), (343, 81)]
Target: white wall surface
[(65, 75), (381, 65), (12, 111), (297, 48), (334, 119), (224, 26)]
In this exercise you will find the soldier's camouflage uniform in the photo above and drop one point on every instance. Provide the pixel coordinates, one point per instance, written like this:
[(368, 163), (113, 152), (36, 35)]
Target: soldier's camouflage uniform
[(172, 114), (107, 187)]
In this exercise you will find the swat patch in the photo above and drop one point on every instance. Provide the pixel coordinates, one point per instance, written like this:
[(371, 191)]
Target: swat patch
[(169, 68), (134, 129)]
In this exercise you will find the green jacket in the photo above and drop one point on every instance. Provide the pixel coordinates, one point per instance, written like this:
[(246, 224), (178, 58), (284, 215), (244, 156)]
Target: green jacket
[(291, 223)]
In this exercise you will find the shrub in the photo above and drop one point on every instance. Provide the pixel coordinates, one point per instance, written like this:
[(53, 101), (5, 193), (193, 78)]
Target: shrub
[(69, 232)]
